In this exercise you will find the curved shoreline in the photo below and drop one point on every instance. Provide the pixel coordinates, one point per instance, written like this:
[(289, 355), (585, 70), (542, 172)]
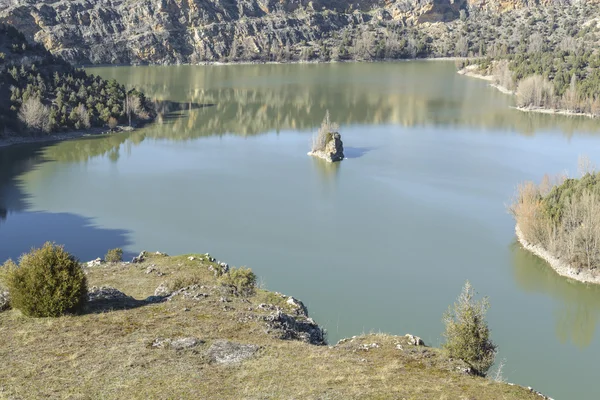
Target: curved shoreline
[(541, 110), (561, 268)]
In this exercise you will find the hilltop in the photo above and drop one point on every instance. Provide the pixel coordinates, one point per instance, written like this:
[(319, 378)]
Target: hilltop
[(168, 327)]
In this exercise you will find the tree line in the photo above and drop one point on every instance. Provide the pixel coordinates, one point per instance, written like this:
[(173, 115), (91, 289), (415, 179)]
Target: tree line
[(46, 95)]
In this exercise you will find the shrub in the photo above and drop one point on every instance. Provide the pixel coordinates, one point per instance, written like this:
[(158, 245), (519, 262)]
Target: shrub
[(114, 255), (242, 280), (48, 282), (467, 334), (112, 122), (324, 135)]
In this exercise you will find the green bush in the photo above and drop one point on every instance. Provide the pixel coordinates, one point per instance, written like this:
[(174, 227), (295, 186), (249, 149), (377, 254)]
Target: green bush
[(242, 280), (48, 282), (467, 333), (114, 255)]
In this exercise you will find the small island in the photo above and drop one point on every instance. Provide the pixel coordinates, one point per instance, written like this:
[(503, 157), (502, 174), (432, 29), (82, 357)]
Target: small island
[(558, 220), (327, 142)]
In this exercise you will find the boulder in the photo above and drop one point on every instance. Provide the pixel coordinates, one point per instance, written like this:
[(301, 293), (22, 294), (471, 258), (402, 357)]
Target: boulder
[(95, 263), (414, 340), (106, 293), (288, 327), (162, 290), (226, 352), (139, 259)]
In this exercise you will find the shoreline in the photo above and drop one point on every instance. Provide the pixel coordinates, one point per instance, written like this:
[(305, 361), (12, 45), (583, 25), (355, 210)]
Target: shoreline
[(551, 111), (7, 141), (259, 62), (561, 268)]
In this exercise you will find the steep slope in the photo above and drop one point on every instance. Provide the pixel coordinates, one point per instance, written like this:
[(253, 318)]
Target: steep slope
[(182, 31), (41, 94)]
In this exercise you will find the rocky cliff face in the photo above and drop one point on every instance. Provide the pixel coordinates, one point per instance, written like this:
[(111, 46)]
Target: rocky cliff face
[(195, 31), (192, 31)]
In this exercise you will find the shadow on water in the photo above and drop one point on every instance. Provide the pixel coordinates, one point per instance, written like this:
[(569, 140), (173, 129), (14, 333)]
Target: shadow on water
[(356, 152), (579, 310), (23, 230), (20, 230)]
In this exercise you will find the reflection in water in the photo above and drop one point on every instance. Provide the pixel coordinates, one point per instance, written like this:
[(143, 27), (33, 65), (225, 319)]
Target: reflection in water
[(578, 314), (327, 171), (252, 99)]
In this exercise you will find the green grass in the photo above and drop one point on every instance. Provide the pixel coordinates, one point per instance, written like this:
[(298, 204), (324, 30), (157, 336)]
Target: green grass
[(109, 355)]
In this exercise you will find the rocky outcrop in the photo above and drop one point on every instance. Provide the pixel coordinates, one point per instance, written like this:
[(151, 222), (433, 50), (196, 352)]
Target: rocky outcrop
[(333, 151), (193, 31), (300, 328)]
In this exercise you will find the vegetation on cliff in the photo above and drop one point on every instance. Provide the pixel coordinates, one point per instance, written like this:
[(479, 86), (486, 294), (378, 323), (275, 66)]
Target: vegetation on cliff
[(42, 94), (172, 326), (549, 56), (562, 216)]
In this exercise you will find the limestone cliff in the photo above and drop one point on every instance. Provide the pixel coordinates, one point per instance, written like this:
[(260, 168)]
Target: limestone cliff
[(191, 31), (195, 31)]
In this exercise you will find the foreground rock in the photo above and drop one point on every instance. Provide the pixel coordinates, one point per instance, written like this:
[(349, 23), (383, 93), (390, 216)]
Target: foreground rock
[(334, 149), (226, 352), (288, 327), (177, 344)]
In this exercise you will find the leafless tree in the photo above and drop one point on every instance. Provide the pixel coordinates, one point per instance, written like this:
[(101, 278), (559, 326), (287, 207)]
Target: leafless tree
[(535, 91), (35, 115)]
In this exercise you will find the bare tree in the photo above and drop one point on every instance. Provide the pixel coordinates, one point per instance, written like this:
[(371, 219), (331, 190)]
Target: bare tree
[(571, 98), (535, 91), (320, 139), (35, 115), (462, 47), (502, 74), (536, 43)]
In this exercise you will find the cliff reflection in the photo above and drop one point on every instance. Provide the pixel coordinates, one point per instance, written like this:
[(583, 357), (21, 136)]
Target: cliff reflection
[(253, 99), (579, 312)]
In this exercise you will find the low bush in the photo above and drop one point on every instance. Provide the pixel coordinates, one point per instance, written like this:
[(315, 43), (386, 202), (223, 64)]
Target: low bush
[(242, 280), (114, 255), (48, 282)]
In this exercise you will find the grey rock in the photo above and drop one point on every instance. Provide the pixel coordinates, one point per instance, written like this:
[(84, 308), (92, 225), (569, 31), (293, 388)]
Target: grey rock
[(162, 290), (95, 263), (106, 293), (177, 344), (4, 300), (414, 340), (226, 352), (139, 259), (288, 327), (299, 307)]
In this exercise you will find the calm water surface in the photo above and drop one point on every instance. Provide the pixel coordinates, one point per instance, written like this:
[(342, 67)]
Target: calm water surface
[(383, 241)]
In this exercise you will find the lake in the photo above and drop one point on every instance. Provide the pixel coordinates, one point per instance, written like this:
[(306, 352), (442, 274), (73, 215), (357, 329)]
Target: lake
[(382, 241)]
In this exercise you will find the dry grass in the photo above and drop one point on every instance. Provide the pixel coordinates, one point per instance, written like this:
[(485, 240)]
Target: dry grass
[(108, 355)]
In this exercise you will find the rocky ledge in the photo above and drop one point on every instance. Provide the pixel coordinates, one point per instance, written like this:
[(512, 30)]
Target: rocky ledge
[(333, 151)]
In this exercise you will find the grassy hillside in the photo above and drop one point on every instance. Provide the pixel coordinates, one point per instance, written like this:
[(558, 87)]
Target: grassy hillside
[(233, 349)]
